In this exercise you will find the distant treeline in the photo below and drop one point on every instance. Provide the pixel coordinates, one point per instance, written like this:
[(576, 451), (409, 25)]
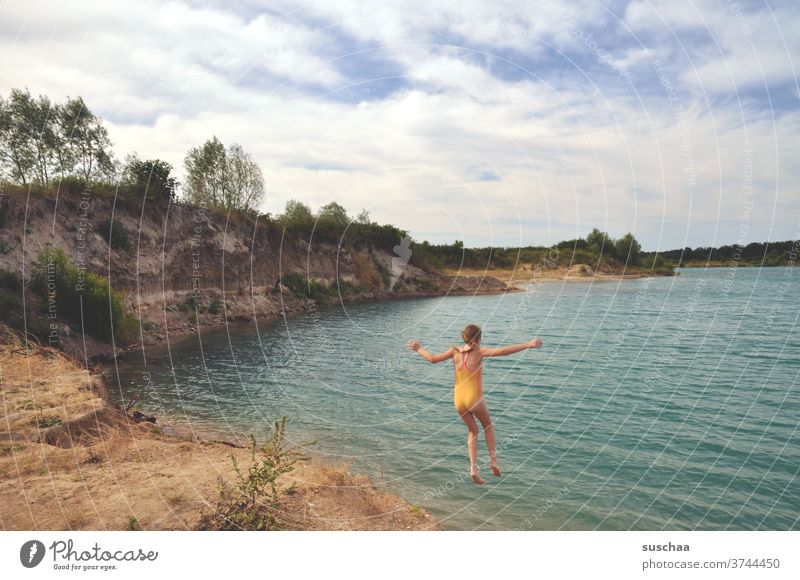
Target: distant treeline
[(754, 253), (598, 250)]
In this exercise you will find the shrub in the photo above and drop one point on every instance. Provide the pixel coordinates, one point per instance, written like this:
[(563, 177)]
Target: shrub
[(297, 216), (10, 280), (253, 503), (71, 185), (86, 298), (422, 284), (305, 287), (347, 288), (114, 233)]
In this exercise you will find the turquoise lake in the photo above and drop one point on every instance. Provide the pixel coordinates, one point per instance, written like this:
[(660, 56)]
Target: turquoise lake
[(658, 403)]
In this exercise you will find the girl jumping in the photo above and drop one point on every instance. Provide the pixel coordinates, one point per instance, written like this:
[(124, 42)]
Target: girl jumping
[(468, 391)]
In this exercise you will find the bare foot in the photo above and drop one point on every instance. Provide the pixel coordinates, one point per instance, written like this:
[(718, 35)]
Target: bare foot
[(476, 478), (495, 469)]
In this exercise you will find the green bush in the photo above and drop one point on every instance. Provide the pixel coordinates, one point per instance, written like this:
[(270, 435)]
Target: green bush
[(253, 503), (214, 306), (70, 184), (421, 284), (83, 297), (10, 280), (11, 310), (348, 288), (307, 288), (114, 233)]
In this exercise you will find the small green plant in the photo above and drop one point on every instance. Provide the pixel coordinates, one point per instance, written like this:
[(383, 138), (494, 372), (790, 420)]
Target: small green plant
[(350, 288), (93, 457), (190, 303), (214, 306), (133, 523), (45, 422), (10, 449), (422, 284), (9, 279), (305, 287), (253, 502)]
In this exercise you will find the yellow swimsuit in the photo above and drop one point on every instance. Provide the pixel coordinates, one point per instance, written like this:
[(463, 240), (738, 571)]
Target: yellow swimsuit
[(469, 384)]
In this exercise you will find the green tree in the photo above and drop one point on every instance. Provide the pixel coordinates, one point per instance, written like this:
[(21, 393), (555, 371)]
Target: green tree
[(628, 250), (19, 154), (600, 241), (86, 147), (205, 173), (245, 188), (150, 178), (216, 177), (333, 214), (41, 140), (41, 117), (296, 215), (364, 218)]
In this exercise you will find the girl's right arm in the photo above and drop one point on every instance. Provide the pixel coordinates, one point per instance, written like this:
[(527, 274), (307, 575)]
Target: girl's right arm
[(511, 349), (433, 358)]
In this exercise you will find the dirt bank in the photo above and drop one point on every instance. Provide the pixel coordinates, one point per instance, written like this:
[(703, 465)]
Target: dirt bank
[(183, 267), (69, 461)]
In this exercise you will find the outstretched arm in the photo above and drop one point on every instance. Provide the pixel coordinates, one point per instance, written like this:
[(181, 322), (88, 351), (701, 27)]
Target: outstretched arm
[(433, 358), (511, 349)]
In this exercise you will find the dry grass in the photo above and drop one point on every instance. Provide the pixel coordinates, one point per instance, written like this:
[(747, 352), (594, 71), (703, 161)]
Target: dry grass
[(40, 387), (367, 273)]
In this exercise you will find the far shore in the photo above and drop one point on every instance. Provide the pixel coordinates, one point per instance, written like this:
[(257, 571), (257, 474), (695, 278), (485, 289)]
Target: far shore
[(523, 276)]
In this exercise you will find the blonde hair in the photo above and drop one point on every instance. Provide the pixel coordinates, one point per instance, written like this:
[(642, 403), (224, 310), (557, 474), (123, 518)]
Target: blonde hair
[(471, 334)]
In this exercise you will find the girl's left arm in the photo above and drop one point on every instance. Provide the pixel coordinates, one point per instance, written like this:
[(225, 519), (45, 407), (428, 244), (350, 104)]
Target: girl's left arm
[(415, 345), (511, 349)]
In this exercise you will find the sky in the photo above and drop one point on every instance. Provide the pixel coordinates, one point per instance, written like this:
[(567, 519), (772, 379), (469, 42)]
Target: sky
[(503, 123)]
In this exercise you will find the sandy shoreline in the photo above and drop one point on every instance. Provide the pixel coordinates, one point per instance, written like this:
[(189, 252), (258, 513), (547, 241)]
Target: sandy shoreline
[(524, 277), (71, 461)]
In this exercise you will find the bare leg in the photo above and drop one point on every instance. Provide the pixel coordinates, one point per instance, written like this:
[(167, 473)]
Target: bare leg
[(472, 446), (481, 411)]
